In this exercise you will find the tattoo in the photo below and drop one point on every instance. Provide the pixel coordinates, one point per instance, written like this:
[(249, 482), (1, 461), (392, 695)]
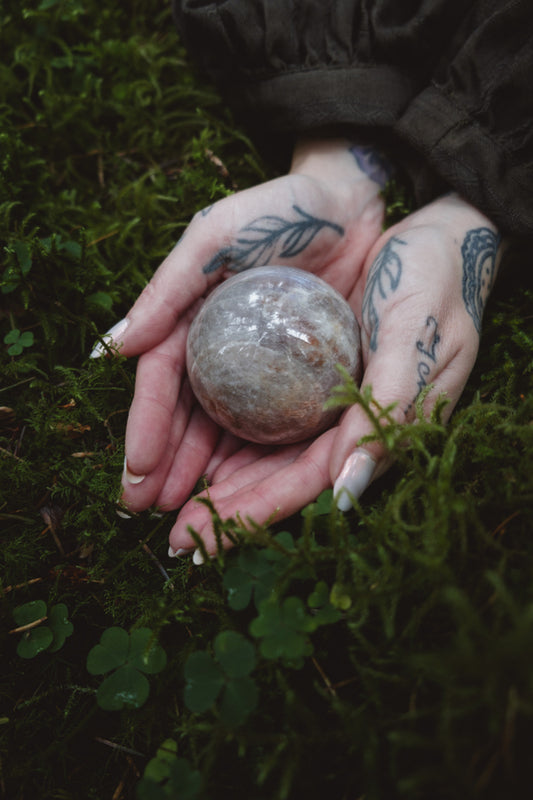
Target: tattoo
[(426, 347), (383, 279), (479, 251), (205, 211), (373, 163), (258, 241)]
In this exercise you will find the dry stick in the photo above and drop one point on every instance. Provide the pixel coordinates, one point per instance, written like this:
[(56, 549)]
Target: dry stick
[(120, 747), (29, 625), (156, 561), (324, 677), (12, 587)]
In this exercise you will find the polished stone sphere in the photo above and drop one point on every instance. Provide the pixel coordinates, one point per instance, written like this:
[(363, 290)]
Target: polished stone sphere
[(262, 353)]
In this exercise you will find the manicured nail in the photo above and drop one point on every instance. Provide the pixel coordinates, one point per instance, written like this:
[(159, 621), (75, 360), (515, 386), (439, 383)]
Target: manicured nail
[(131, 477), (353, 479), (112, 338), (123, 514), (197, 557), (181, 551)]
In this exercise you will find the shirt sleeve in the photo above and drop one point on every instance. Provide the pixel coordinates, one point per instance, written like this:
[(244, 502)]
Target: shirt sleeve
[(448, 83)]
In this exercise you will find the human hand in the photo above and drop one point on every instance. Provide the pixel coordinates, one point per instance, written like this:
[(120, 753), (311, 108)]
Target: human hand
[(420, 299), (323, 217)]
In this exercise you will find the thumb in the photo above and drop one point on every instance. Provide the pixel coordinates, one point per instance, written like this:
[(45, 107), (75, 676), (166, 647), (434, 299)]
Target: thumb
[(395, 375)]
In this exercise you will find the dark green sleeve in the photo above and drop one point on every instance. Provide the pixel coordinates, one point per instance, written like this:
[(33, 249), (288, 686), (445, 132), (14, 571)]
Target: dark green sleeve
[(448, 84)]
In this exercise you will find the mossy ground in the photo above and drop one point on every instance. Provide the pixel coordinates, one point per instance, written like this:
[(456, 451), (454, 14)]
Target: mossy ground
[(423, 688)]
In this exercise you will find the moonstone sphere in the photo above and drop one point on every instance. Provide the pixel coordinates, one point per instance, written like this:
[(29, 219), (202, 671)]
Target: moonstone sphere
[(262, 353)]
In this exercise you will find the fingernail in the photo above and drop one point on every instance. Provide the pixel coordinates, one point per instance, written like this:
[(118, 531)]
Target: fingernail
[(197, 557), (123, 514), (111, 338), (353, 479), (181, 551), (131, 477)]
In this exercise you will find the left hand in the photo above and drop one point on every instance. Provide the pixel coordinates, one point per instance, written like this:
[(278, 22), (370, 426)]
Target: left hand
[(419, 299)]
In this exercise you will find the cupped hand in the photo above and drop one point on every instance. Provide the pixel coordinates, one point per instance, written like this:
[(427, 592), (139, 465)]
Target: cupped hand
[(420, 298), (323, 217)]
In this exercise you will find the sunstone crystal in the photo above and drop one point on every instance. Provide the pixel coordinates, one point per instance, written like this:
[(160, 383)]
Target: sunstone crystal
[(262, 353)]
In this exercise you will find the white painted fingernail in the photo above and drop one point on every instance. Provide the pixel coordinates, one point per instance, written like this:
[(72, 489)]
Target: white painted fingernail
[(353, 479), (197, 557), (112, 338), (131, 477), (120, 513), (181, 551)]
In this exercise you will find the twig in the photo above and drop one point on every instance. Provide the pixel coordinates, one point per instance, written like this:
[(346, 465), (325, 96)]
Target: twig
[(120, 747), (12, 587), (29, 625), (157, 562), (324, 677), (500, 529)]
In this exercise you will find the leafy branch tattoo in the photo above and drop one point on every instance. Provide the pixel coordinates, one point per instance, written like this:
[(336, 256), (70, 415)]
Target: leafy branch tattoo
[(479, 250), (260, 239), (383, 279), (373, 163)]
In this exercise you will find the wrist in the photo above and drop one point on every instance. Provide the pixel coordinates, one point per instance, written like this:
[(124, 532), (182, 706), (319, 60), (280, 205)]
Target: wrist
[(342, 164)]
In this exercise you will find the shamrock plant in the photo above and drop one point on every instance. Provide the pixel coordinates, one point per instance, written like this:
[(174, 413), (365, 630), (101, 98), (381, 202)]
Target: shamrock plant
[(127, 656), (41, 629), (253, 576), (284, 627), (224, 675), (17, 341), (168, 776)]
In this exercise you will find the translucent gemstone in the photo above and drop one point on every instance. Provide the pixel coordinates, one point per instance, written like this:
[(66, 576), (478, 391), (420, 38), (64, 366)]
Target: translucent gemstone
[(263, 349)]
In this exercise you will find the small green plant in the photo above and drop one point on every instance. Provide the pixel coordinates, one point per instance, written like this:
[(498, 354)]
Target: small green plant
[(17, 270), (17, 341), (167, 776), (284, 629), (127, 656), (37, 636), (226, 674)]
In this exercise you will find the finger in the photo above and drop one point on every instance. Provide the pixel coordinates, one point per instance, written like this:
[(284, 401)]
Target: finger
[(396, 373), (228, 444), (246, 455), (159, 378), (190, 461), (282, 491), (250, 466), (140, 494)]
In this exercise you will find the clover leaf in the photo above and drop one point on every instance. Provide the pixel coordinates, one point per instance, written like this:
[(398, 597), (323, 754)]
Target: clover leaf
[(60, 626), (204, 679), (283, 629), (227, 675), (18, 341), (322, 505), (167, 776), (40, 637), (127, 656), (253, 575)]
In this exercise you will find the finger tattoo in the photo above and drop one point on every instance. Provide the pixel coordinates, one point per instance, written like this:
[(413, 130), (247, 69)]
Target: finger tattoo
[(427, 347)]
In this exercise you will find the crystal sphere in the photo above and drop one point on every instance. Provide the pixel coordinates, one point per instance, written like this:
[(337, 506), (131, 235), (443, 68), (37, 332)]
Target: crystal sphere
[(263, 349)]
